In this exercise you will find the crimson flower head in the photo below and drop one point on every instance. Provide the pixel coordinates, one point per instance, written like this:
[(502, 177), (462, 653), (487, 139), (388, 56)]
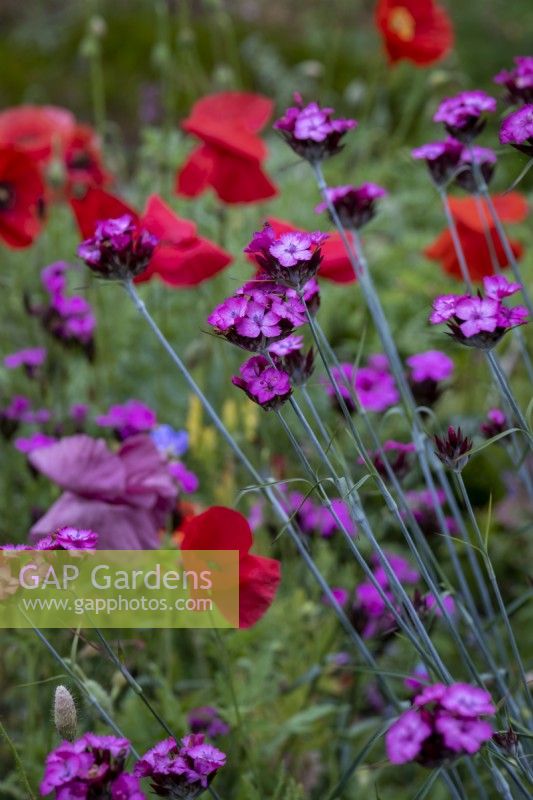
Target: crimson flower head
[(120, 249), (464, 114), (472, 217), (312, 131), (397, 455), (518, 81), (40, 131), (355, 205), (21, 198), (443, 724), (453, 449), (415, 30), (230, 158), (221, 528), (291, 258), (442, 158), (517, 130), (478, 321), (485, 158), (264, 383)]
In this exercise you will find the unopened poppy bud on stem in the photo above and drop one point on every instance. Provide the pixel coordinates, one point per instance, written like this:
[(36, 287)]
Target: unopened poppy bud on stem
[(65, 717)]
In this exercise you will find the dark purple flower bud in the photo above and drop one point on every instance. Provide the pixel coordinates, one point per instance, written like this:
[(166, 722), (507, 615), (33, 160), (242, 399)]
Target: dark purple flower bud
[(485, 158), (206, 719), (464, 114), (453, 449), (518, 81), (265, 384), (517, 130), (398, 458), (442, 158), (507, 740), (119, 250), (311, 131), (355, 205)]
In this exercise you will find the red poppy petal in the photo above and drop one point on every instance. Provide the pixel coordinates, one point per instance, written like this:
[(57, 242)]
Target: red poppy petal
[(232, 138), (38, 130), (194, 176), (476, 252), (245, 108), (336, 266), (218, 528), (417, 30), (21, 221), (95, 206), (510, 207), (200, 261), (164, 223), (259, 581), (240, 180)]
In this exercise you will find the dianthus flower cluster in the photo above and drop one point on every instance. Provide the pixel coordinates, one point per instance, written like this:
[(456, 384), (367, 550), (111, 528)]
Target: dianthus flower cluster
[(68, 318), (128, 419), (315, 519), (373, 386), (291, 259), (464, 114), (450, 159), (478, 321), (518, 81), (517, 130), (120, 249), (90, 768), (68, 539), (495, 423), (181, 770), (312, 131), (444, 723), (427, 372), (207, 720)]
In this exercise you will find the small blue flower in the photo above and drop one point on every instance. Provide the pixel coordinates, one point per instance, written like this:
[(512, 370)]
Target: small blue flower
[(171, 443)]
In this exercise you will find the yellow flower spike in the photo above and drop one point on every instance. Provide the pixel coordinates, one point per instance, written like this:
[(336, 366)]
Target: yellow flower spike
[(194, 421), (250, 416), (230, 414)]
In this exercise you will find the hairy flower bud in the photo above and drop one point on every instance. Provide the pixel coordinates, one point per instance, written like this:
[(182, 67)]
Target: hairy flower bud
[(65, 717)]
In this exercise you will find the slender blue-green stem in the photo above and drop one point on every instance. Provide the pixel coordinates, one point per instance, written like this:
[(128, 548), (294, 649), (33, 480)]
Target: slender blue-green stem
[(494, 585), (269, 491)]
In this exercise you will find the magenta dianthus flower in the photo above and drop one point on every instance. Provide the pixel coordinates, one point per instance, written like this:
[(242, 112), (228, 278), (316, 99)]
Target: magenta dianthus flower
[(478, 321), (373, 386), (484, 158), (30, 358), (207, 720), (312, 131), (355, 205), (518, 81), (259, 314), (128, 419), (264, 383), (91, 767), (431, 365), (68, 539), (464, 114), (291, 259), (495, 423), (120, 249), (442, 158), (443, 724), (27, 444), (181, 770), (517, 130)]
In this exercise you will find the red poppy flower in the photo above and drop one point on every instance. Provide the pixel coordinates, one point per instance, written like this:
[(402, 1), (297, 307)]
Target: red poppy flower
[(231, 156), (21, 198), (38, 130), (83, 160), (416, 30), (181, 259), (511, 207), (336, 266), (221, 528)]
